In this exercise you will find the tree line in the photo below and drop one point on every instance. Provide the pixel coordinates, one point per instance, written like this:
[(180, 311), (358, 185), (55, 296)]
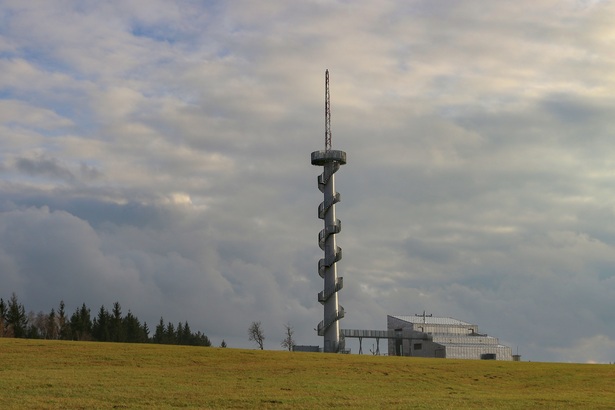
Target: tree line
[(107, 326)]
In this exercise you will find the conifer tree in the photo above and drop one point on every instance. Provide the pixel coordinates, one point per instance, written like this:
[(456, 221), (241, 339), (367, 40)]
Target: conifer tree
[(63, 325), (132, 330), (3, 310), (179, 338), (81, 324), (187, 336), (52, 325), (16, 318), (159, 334), (101, 325), (199, 339), (170, 336), (117, 332), (145, 330)]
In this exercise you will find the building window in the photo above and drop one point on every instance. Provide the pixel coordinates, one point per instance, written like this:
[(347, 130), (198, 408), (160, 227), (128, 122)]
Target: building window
[(418, 346)]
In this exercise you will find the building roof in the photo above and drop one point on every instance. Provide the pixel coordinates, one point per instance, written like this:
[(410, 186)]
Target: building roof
[(432, 320)]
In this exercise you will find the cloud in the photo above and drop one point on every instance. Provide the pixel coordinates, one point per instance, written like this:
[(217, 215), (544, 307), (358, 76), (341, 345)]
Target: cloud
[(18, 112), (158, 154), (43, 167), (602, 349)]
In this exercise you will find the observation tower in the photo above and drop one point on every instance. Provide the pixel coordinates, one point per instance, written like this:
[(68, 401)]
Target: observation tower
[(330, 160)]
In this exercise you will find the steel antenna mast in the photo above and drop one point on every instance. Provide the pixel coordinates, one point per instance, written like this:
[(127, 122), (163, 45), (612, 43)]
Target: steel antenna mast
[(327, 113)]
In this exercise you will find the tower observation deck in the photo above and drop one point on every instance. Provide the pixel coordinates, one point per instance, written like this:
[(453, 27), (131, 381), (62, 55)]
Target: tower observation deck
[(330, 160)]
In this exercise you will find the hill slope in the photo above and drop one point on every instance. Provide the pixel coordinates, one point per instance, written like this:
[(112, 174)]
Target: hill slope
[(55, 374)]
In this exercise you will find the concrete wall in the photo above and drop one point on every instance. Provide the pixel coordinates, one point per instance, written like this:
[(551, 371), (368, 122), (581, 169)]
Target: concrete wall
[(477, 352)]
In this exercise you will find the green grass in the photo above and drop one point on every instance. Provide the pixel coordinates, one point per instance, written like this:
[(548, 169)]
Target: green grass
[(55, 374)]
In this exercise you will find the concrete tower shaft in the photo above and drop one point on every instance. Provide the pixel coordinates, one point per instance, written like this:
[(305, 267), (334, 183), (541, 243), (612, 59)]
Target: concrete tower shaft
[(327, 268)]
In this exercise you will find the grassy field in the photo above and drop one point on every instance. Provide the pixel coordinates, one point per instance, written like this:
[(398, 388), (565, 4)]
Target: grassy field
[(54, 374)]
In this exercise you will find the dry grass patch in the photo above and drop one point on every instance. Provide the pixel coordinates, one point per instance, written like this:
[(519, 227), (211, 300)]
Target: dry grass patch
[(59, 374)]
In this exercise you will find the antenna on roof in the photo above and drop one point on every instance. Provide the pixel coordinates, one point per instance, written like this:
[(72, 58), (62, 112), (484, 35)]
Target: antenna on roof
[(424, 316)]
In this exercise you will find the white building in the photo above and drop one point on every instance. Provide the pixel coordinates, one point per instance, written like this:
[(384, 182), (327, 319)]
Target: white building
[(444, 337)]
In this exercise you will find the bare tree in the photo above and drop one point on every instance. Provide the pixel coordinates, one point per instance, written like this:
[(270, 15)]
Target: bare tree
[(256, 334), (38, 325), (288, 341)]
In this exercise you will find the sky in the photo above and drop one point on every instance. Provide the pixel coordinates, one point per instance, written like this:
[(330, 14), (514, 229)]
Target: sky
[(157, 153)]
